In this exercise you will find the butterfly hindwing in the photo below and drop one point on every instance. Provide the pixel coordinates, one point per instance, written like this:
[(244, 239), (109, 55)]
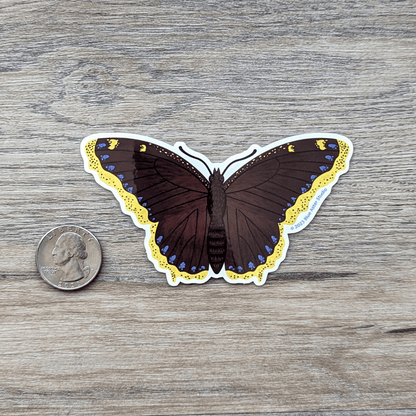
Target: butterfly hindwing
[(266, 197), (164, 194)]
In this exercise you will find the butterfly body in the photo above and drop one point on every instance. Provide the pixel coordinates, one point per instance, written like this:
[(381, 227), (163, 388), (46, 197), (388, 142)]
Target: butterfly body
[(201, 225), (217, 239)]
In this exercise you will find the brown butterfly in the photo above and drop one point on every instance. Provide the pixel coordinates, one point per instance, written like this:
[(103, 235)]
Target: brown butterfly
[(201, 222)]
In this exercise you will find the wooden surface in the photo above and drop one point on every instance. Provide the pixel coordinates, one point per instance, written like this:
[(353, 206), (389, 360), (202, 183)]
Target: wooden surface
[(333, 330)]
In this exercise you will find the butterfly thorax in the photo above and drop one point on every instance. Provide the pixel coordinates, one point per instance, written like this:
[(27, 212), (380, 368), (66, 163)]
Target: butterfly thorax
[(217, 241), (216, 199)]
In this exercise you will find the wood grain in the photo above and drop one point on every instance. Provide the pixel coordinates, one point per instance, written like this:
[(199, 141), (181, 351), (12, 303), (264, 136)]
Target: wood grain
[(333, 330)]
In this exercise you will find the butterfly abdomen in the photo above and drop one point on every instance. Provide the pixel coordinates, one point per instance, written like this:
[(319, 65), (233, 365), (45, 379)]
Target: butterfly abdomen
[(217, 247), (217, 239)]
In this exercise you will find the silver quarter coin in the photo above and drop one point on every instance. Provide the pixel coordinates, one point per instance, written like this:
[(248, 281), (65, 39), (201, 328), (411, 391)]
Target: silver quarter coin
[(68, 257)]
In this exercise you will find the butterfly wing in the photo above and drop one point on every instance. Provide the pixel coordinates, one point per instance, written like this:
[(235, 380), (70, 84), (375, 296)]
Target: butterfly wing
[(164, 194), (276, 193)]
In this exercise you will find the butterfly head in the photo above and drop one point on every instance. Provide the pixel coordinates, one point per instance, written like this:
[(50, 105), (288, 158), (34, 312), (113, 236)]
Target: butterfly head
[(216, 176)]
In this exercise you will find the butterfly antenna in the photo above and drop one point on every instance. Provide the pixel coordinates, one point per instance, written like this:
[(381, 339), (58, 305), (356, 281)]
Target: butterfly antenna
[(197, 158), (242, 158)]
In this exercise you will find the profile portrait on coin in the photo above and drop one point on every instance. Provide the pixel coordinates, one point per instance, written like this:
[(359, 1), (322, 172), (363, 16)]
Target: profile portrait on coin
[(69, 254)]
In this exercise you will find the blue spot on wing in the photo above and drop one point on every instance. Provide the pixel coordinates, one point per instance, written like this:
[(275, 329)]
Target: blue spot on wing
[(269, 249), (274, 239), (101, 145), (144, 204), (172, 259), (251, 266), (120, 176), (110, 167), (313, 177), (104, 157), (333, 146), (182, 266), (202, 268), (293, 199), (289, 205), (324, 168), (303, 190), (261, 258), (308, 185), (231, 268), (164, 249), (139, 198), (330, 157), (240, 269), (130, 189), (193, 269), (125, 184), (159, 239)]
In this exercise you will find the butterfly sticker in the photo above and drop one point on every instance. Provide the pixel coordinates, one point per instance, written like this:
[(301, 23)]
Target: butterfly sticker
[(229, 220)]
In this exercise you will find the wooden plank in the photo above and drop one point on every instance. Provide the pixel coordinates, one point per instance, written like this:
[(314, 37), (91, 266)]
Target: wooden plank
[(332, 331)]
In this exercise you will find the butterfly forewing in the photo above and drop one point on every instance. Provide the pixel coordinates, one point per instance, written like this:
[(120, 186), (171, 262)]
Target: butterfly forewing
[(268, 193), (171, 195)]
